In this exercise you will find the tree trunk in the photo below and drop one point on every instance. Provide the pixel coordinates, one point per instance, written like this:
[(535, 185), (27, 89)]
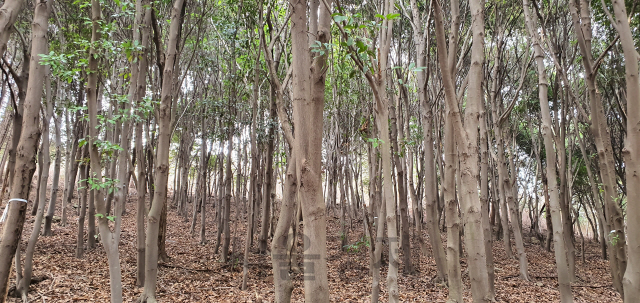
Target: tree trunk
[(70, 179), (226, 207), (614, 221), (91, 225), (280, 261), (344, 231), (111, 170), (268, 186), (125, 140), (554, 200), (219, 200), (308, 90), (254, 170), (596, 196), (162, 161), (110, 240), (22, 285), (631, 278), (84, 172), (484, 200), (56, 172), (376, 259), (515, 222), (402, 190), (205, 194), (141, 188), (467, 138), (431, 193), (26, 148), (504, 191), (36, 204), (452, 217)]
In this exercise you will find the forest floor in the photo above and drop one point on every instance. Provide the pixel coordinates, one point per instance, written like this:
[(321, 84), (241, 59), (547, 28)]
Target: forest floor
[(195, 274)]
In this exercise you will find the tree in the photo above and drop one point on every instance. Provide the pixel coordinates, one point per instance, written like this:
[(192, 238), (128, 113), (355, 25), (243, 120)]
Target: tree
[(466, 138), (162, 158), (631, 279), (140, 152), (110, 240), (26, 148), (422, 48), (308, 105), (23, 277), (554, 201)]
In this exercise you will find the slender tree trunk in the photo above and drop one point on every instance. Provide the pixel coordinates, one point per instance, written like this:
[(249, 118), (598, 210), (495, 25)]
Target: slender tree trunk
[(344, 231), (70, 179), (91, 225), (56, 171), (162, 233), (484, 200), (431, 194), (21, 81), (467, 138), (111, 170), (202, 182), (554, 201), (205, 193), (596, 196), (110, 240), (26, 148), (382, 118), (125, 140), (515, 224), (22, 285), (36, 204), (162, 162), (614, 221), (141, 187), (254, 171), (226, 214), (452, 217), (219, 200), (376, 261), (70, 184), (631, 278), (402, 190), (226, 218), (282, 280), (196, 203), (268, 186), (505, 194), (84, 172)]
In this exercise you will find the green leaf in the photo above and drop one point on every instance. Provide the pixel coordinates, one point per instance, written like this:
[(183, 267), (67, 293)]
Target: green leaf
[(339, 18), (361, 46), (392, 16)]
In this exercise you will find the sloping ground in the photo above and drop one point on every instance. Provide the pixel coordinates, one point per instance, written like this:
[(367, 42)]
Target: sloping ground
[(194, 273)]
